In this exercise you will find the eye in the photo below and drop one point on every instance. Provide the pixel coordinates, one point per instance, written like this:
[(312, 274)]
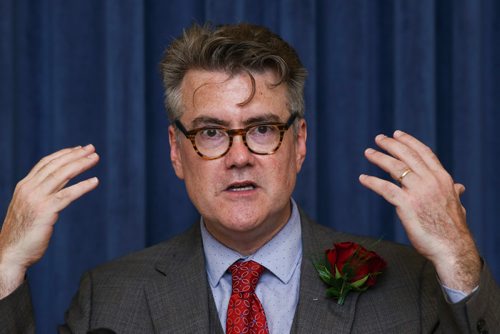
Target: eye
[(211, 134), (263, 129)]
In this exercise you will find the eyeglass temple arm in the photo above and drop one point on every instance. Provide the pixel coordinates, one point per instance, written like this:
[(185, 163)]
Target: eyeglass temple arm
[(181, 127), (291, 120)]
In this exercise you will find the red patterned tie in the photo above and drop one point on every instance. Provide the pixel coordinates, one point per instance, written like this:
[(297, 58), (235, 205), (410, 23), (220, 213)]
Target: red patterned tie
[(244, 312)]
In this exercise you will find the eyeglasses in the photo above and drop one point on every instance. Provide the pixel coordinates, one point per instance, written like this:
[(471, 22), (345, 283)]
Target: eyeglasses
[(213, 142)]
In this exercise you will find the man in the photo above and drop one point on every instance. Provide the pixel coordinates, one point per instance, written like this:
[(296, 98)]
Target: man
[(238, 140)]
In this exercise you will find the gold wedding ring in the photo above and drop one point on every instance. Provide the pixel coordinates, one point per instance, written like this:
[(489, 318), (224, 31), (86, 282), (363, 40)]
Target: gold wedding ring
[(406, 172)]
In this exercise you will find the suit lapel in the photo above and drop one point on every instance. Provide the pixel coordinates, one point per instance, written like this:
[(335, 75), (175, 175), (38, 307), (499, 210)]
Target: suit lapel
[(315, 313), (179, 297)]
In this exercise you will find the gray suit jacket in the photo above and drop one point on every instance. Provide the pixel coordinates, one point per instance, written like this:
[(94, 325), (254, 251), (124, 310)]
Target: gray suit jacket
[(164, 289)]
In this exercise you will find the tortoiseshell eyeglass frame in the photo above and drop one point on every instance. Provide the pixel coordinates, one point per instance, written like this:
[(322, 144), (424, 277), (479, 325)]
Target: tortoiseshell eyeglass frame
[(191, 135)]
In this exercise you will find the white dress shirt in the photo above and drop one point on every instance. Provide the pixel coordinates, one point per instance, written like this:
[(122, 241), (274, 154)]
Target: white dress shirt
[(278, 287)]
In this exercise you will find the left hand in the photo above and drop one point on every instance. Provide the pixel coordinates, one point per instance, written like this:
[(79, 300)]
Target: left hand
[(428, 204)]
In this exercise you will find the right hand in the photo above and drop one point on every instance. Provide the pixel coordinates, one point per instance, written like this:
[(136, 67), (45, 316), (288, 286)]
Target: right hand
[(35, 207)]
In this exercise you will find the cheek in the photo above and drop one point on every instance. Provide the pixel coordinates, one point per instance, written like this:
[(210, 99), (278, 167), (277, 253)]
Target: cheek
[(284, 171), (200, 176)]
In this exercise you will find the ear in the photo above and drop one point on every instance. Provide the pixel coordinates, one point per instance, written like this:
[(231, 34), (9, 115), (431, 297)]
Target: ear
[(300, 144), (175, 152)]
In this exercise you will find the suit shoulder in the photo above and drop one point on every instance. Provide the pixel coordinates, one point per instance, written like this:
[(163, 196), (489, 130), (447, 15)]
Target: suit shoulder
[(143, 260)]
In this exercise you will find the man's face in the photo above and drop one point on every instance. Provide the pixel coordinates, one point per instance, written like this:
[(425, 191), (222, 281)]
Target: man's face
[(244, 198)]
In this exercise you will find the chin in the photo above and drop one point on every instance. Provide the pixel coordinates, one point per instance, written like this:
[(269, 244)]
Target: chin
[(242, 221)]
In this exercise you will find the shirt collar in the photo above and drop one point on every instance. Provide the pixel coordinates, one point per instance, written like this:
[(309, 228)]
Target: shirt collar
[(280, 255)]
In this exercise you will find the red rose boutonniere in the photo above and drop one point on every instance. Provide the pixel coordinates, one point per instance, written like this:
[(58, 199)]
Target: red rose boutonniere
[(348, 266)]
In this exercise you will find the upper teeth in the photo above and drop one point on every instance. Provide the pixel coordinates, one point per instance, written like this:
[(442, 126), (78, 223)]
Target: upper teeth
[(241, 188)]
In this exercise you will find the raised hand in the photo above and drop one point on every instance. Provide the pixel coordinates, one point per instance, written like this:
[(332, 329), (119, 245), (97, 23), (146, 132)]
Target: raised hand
[(35, 207), (427, 201)]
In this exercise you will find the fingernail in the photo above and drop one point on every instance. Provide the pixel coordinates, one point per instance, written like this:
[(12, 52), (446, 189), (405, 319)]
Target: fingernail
[(92, 156), (380, 136), (94, 180), (88, 147), (398, 133), (362, 176), (77, 147), (369, 151)]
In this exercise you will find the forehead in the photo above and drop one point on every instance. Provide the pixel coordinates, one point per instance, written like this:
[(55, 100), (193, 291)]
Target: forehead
[(225, 96)]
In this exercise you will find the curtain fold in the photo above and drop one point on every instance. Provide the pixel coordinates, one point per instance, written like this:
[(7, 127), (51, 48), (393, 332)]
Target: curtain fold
[(79, 72)]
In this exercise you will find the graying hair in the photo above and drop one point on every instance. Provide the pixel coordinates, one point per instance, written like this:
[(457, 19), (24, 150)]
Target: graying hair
[(233, 49)]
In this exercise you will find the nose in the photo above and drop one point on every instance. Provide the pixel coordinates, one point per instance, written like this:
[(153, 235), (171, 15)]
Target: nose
[(238, 155)]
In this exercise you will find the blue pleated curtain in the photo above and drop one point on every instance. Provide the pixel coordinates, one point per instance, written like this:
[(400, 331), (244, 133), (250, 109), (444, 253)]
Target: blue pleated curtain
[(78, 72)]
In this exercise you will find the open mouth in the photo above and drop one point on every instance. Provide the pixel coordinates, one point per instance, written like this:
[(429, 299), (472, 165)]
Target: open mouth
[(241, 186)]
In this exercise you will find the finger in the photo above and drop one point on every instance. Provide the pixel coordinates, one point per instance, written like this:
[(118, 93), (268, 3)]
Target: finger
[(404, 153), (55, 164), (459, 188), (51, 157), (388, 190), (396, 168), (66, 196), (423, 150), (58, 179)]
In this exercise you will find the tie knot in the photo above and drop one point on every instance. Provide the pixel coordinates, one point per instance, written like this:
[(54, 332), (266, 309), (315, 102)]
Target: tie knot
[(245, 276)]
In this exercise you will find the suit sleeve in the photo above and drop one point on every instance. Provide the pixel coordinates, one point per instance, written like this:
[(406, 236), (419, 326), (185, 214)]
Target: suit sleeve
[(16, 311), (477, 313)]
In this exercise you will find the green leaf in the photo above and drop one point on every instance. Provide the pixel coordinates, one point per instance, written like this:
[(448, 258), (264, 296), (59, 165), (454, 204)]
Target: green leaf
[(338, 275), (324, 273), (360, 282), (364, 288), (325, 277)]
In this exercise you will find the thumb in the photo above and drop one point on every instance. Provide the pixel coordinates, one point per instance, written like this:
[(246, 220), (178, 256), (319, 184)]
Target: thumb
[(459, 188)]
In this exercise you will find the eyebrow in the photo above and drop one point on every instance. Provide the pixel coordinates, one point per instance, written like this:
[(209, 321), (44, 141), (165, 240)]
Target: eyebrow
[(267, 118), (202, 121)]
